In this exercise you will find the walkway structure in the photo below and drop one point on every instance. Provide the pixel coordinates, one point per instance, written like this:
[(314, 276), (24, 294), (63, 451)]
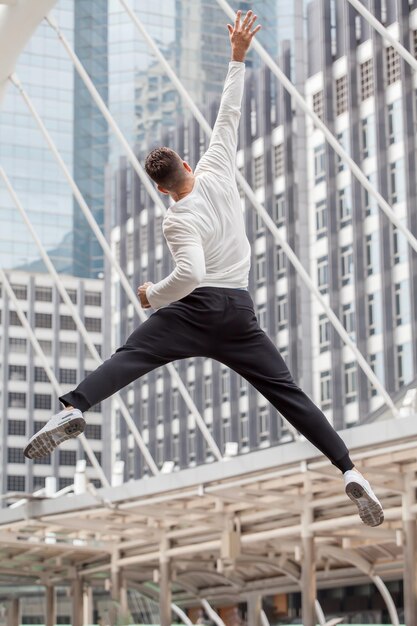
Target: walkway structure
[(273, 521)]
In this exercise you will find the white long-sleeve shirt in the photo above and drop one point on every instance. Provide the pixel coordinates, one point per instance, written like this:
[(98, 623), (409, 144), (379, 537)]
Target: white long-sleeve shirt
[(205, 230)]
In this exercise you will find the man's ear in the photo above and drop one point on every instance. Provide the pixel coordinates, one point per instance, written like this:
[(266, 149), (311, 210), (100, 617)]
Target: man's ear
[(187, 167), (162, 190)]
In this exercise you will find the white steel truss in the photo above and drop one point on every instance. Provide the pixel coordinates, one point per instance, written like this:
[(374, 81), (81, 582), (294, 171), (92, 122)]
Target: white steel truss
[(264, 214)]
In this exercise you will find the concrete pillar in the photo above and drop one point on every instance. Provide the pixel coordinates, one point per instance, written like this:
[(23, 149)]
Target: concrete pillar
[(50, 606), (13, 612), (254, 604), (77, 597), (164, 586), (88, 606), (410, 555), (308, 566)]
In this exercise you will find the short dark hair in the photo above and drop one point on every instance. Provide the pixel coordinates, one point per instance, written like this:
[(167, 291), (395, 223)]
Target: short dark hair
[(165, 167)]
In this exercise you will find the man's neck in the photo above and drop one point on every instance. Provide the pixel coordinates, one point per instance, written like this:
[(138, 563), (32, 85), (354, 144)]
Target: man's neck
[(186, 189)]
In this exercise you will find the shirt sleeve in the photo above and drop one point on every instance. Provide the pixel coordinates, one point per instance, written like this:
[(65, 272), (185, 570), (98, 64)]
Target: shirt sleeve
[(187, 251), (220, 157)]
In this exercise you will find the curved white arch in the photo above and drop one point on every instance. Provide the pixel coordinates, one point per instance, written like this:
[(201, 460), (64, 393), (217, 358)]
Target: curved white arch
[(17, 23)]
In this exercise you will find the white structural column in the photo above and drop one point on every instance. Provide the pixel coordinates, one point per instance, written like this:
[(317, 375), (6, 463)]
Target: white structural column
[(410, 552), (77, 602), (308, 569), (13, 612), (215, 617), (372, 20), (115, 265), (50, 605), (261, 209), (78, 321), (254, 604), (36, 346), (165, 593)]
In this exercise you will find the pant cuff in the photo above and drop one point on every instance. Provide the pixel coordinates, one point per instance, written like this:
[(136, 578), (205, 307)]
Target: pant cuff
[(75, 399), (344, 464)]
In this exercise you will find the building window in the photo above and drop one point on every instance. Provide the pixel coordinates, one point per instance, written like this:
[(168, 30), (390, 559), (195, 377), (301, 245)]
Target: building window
[(404, 363), (260, 270), (323, 274), (263, 421), (395, 122), (244, 429), (67, 376), (66, 322), (92, 298), (370, 204), (325, 390), (93, 324), (96, 454), (349, 319), (318, 104), (258, 172), (321, 219), (17, 344), (368, 136), (400, 365), (397, 181), (280, 262), (341, 95), (16, 427), (16, 400), (67, 348), (367, 79), (262, 317), (259, 224), (191, 446), (350, 382), (343, 139), (225, 384), (40, 375), (243, 387), (279, 160), (401, 303), (374, 313), (129, 247), (14, 319), (15, 455), (282, 312), (324, 333), (279, 209), (347, 264), (345, 206), (43, 320), (17, 372), (16, 483), (46, 346), (38, 482), (42, 401), (393, 65), (20, 291), (399, 246), (67, 457), (93, 431), (43, 294), (319, 163), (377, 365), (44, 460), (372, 253), (63, 482)]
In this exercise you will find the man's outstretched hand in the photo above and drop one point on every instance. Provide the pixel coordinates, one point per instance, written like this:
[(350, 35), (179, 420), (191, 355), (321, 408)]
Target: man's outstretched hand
[(241, 35)]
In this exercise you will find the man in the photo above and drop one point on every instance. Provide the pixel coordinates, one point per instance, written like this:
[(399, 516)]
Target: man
[(203, 307)]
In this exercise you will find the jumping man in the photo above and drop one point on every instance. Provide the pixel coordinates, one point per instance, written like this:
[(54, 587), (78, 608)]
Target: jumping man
[(203, 308)]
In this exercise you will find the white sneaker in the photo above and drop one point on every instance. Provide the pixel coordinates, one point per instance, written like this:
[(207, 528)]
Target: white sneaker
[(65, 425), (359, 491)]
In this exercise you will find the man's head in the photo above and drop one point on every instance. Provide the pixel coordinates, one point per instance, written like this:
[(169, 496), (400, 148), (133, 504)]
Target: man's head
[(167, 170)]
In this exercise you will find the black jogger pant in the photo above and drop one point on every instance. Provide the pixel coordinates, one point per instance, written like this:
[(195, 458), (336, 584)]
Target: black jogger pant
[(220, 324)]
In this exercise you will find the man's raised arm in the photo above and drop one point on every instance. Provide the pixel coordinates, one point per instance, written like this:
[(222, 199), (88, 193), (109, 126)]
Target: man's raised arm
[(220, 157)]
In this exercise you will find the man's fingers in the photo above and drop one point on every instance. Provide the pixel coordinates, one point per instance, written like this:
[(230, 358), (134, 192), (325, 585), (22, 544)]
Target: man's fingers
[(257, 29), (252, 22), (247, 19), (230, 29), (237, 20)]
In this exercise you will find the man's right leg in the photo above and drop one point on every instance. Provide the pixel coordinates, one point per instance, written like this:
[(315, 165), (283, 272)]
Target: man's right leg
[(163, 338)]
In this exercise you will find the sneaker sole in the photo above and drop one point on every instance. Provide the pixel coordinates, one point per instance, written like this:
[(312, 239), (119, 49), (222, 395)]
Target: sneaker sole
[(370, 511), (45, 442)]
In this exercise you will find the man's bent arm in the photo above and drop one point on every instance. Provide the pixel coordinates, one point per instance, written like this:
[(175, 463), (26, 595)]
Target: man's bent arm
[(190, 267)]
